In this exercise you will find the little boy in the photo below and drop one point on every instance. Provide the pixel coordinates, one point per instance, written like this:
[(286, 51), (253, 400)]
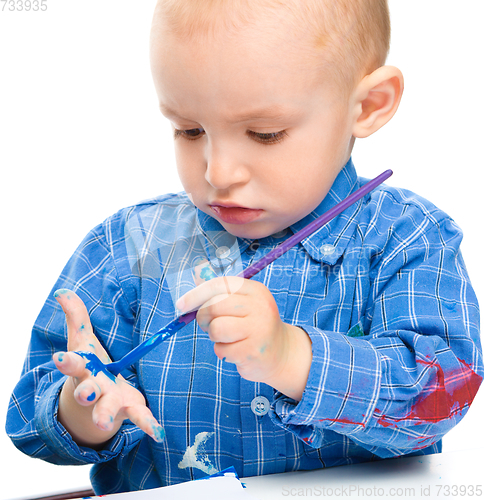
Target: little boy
[(360, 343)]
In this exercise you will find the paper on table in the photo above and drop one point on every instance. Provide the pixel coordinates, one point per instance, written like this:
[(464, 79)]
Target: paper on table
[(214, 488)]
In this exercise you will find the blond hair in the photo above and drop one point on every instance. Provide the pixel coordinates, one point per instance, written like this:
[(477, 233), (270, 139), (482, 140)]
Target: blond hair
[(353, 36)]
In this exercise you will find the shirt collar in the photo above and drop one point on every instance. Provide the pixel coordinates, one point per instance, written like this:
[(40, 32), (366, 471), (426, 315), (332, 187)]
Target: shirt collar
[(328, 243)]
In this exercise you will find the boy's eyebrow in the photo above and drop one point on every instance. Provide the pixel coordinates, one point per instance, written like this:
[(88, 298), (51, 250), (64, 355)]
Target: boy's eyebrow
[(273, 112)]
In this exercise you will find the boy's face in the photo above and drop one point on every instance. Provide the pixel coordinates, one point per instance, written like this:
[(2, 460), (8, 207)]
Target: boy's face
[(260, 136)]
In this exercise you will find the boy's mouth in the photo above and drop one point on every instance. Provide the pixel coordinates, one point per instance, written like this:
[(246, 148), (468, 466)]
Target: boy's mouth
[(235, 215)]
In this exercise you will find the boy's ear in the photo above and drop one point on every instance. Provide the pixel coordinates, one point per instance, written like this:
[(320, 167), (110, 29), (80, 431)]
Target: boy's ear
[(377, 98)]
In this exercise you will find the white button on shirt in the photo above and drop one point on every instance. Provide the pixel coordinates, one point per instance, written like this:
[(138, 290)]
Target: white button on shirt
[(327, 249), (280, 234), (222, 252), (260, 405)]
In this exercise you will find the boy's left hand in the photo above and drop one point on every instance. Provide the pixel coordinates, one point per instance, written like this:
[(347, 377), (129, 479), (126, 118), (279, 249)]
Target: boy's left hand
[(242, 319)]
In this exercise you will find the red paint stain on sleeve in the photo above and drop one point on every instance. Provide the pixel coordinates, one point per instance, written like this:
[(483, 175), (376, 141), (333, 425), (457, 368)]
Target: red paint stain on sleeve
[(386, 423), (449, 395), (341, 421)]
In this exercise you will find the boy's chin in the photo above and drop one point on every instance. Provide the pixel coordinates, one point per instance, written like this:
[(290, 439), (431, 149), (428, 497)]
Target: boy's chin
[(251, 231)]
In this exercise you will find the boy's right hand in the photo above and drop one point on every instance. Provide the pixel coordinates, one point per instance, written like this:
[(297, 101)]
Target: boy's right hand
[(92, 408)]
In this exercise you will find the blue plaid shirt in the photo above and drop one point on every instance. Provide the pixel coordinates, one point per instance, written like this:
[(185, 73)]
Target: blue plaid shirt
[(381, 290)]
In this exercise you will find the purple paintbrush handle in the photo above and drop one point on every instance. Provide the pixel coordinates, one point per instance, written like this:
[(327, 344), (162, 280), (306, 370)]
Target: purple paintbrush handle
[(314, 226)]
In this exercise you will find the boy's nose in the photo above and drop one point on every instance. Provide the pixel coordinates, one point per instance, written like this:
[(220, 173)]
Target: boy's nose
[(224, 168)]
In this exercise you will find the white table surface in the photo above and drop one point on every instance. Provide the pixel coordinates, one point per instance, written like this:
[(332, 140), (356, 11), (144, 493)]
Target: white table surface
[(444, 475)]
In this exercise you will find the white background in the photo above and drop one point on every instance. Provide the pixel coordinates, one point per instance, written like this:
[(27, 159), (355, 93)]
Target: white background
[(81, 137)]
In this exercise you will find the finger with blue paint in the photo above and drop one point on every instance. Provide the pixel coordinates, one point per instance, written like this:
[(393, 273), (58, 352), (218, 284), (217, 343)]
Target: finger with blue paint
[(80, 332), (94, 404)]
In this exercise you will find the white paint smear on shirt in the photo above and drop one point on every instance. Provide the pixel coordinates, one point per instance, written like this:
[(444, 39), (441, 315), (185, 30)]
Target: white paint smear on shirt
[(196, 457)]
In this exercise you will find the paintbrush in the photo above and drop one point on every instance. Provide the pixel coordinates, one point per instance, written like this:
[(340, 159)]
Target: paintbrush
[(112, 369)]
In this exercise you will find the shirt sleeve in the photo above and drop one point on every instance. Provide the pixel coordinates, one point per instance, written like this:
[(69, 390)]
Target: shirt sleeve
[(32, 413), (409, 371)]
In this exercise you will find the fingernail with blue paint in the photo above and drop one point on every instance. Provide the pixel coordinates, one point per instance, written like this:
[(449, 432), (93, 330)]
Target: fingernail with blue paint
[(158, 433), (106, 424), (86, 393)]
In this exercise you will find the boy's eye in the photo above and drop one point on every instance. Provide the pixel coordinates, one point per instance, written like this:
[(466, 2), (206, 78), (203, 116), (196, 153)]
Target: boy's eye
[(267, 138), (262, 137), (190, 134)]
